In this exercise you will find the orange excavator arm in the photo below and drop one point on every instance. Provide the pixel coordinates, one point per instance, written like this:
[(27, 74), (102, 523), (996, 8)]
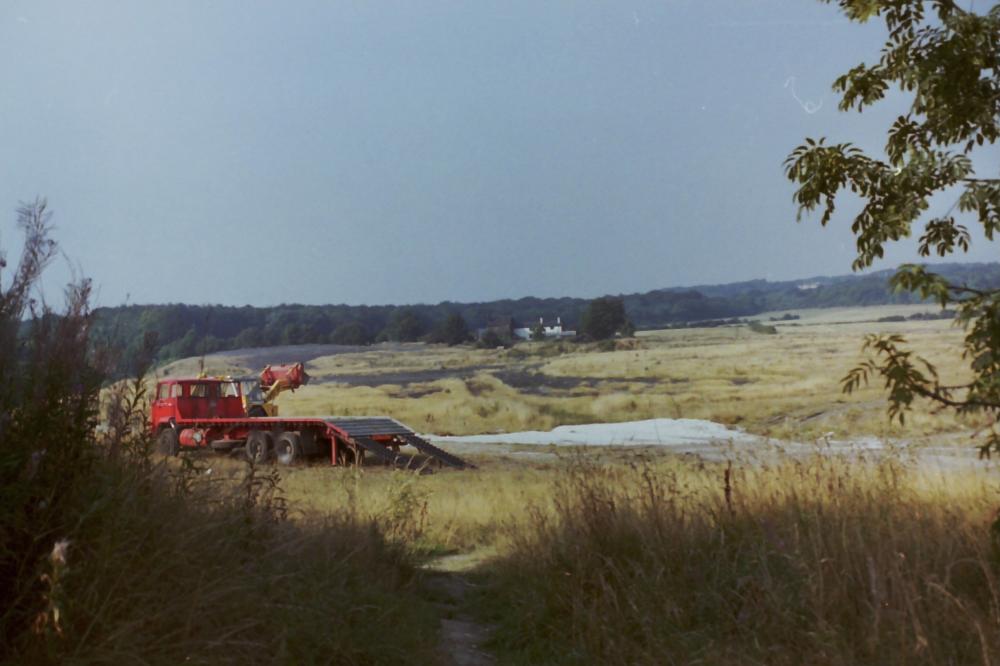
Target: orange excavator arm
[(276, 379)]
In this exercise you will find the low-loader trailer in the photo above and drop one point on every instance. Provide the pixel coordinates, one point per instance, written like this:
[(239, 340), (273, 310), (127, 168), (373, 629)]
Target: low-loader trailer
[(210, 413)]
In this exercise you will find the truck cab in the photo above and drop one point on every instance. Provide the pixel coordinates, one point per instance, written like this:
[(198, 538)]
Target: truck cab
[(195, 398)]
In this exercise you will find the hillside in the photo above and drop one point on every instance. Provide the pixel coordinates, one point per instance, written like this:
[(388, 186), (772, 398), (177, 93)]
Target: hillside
[(189, 330)]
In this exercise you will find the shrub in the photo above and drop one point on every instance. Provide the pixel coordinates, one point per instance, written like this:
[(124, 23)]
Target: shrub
[(603, 318), (766, 329), (351, 333), (491, 340), (108, 555), (406, 325), (452, 331)]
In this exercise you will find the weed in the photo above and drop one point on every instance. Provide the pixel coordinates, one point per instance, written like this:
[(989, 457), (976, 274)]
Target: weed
[(110, 555), (786, 561)]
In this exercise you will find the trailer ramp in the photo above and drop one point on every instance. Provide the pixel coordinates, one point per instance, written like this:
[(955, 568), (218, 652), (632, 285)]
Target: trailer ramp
[(383, 453), (363, 431), (425, 447)]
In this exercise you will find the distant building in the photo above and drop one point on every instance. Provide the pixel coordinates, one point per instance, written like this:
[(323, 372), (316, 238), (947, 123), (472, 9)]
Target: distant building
[(551, 330)]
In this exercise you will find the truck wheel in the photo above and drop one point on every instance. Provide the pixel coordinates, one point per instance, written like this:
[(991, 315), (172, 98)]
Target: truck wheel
[(288, 448), (167, 442), (259, 446)]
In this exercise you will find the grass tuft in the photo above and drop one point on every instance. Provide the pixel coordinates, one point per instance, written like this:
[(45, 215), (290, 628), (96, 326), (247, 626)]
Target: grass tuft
[(108, 555), (825, 561)]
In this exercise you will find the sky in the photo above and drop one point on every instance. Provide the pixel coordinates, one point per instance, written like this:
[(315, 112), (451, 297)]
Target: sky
[(240, 152)]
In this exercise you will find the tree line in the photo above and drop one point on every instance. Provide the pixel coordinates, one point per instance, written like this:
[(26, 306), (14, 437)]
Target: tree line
[(189, 330)]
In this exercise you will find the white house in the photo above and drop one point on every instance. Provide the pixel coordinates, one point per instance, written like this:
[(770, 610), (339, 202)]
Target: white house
[(551, 330)]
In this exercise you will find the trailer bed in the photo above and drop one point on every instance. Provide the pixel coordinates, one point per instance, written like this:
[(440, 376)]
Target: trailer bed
[(380, 436)]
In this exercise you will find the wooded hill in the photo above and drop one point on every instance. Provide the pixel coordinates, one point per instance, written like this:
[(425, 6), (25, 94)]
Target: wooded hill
[(188, 330)]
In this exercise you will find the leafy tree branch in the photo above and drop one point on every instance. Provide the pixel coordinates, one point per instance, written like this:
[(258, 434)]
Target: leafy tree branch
[(948, 59)]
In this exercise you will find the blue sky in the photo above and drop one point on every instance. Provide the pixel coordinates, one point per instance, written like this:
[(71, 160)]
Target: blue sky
[(400, 152)]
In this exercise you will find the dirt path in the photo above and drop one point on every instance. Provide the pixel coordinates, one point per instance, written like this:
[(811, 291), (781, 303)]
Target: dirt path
[(462, 637)]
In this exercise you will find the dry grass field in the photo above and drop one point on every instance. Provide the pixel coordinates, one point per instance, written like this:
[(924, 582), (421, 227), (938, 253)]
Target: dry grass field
[(619, 556), (784, 385), (616, 555), (817, 561)]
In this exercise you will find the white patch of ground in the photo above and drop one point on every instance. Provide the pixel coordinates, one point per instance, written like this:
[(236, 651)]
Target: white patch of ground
[(652, 432), (713, 441)]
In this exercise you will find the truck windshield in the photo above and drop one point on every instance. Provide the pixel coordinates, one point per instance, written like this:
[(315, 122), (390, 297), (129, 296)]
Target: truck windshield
[(251, 389), (201, 390)]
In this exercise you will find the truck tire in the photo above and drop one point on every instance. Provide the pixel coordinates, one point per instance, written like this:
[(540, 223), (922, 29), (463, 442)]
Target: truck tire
[(288, 448), (167, 442), (259, 446)]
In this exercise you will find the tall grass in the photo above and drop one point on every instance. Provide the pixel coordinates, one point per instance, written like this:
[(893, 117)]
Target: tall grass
[(433, 514), (108, 555), (785, 386), (169, 568), (825, 561)]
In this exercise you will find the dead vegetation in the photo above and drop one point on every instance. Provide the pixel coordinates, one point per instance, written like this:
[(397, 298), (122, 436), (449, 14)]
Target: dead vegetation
[(625, 557), (108, 555), (823, 561), (785, 385)]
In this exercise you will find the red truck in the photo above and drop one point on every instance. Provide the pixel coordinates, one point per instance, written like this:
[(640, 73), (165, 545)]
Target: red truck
[(200, 413)]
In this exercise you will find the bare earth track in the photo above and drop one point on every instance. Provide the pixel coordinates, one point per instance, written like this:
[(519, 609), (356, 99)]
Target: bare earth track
[(462, 637)]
